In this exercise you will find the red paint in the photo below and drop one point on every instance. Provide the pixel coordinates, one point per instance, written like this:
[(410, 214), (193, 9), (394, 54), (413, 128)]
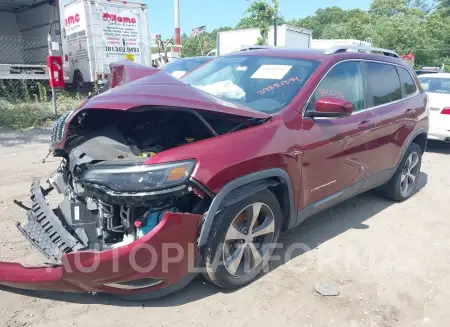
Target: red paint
[(321, 156), (334, 105), (177, 39), (119, 19), (126, 71), (71, 20), (114, 265), (56, 72)]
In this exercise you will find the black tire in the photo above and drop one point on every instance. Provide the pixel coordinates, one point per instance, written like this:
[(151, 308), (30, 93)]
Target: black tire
[(78, 82), (392, 189), (214, 269)]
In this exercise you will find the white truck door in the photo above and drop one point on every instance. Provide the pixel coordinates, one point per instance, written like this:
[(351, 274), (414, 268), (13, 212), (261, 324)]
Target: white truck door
[(295, 38), (74, 41)]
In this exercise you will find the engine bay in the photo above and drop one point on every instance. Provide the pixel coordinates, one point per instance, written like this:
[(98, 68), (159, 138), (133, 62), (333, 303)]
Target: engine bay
[(107, 210)]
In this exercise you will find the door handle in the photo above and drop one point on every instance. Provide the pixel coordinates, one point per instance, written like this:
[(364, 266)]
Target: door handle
[(410, 112), (366, 124)]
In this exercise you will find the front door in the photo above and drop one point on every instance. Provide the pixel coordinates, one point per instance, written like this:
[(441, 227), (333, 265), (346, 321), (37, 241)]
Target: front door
[(336, 150)]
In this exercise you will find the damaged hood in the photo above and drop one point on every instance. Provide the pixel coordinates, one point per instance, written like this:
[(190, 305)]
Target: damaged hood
[(162, 89)]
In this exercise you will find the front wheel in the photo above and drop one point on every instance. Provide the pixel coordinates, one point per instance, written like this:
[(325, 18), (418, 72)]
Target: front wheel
[(242, 240), (403, 183)]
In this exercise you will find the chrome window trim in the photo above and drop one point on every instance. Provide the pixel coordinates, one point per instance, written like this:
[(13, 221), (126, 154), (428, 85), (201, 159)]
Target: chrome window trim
[(370, 108)]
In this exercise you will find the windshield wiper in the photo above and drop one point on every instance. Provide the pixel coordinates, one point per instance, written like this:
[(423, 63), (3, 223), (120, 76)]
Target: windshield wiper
[(248, 123)]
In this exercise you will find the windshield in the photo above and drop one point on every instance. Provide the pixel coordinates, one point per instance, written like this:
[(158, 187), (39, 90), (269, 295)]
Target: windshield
[(435, 84), (263, 83), (180, 67)]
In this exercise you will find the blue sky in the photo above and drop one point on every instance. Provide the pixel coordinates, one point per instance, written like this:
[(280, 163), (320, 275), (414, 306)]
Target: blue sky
[(213, 14)]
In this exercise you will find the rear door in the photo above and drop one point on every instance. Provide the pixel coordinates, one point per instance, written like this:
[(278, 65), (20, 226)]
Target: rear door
[(336, 152), (396, 109), (74, 41)]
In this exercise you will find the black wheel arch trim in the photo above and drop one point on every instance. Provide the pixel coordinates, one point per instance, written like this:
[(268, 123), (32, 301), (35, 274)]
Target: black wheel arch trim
[(411, 138), (241, 188)]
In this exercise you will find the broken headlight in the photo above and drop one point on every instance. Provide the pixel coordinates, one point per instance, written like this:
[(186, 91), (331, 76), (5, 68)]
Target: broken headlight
[(139, 177)]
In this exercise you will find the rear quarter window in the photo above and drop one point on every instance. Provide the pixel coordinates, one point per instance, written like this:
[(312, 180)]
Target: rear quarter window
[(406, 80), (384, 83)]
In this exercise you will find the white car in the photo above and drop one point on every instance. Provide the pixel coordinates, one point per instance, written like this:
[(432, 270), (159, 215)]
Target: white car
[(437, 86)]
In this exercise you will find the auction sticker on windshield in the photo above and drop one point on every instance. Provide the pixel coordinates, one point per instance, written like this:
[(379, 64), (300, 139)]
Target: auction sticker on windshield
[(271, 71)]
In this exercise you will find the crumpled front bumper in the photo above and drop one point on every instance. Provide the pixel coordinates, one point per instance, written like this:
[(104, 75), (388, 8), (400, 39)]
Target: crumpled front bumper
[(167, 255)]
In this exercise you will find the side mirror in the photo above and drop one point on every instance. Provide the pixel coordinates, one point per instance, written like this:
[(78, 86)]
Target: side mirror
[(331, 107)]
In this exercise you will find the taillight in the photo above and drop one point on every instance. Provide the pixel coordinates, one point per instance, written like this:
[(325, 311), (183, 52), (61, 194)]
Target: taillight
[(66, 57), (445, 111)]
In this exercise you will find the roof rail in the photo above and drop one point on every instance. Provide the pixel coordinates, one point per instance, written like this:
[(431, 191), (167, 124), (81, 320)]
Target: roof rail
[(254, 47), (363, 48)]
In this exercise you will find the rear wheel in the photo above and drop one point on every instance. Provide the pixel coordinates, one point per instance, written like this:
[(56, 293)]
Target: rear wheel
[(403, 183), (78, 83), (242, 240)]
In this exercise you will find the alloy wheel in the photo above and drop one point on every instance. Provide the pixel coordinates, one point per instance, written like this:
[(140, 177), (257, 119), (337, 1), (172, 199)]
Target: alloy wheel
[(409, 174), (248, 239)]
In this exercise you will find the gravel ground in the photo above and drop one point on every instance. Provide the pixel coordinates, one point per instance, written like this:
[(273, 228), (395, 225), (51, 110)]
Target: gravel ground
[(389, 262)]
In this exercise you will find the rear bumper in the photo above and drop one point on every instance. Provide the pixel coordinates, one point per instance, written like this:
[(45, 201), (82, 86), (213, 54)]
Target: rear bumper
[(441, 135), (165, 256)]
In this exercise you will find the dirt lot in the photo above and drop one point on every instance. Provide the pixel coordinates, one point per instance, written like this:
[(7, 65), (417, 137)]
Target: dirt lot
[(389, 261)]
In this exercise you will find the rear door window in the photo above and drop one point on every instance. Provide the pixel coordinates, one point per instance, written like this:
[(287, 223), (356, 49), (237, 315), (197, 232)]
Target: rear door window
[(407, 82), (344, 81), (384, 83)]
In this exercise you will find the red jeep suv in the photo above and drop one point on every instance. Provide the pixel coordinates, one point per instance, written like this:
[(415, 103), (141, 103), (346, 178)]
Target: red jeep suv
[(163, 178)]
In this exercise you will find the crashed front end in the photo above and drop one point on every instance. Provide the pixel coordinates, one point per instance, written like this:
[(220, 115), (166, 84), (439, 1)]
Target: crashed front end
[(130, 208), (122, 226)]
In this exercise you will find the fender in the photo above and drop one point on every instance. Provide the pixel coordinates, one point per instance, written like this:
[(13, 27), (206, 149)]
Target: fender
[(236, 190), (411, 137)]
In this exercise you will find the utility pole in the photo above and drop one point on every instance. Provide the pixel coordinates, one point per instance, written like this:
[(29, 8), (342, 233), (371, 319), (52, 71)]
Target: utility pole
[(275, 16), (275, 29), (177, 27)]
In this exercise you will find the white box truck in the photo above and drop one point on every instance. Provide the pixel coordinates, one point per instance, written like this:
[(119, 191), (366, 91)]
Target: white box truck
[(24, 27), (97, 33), (88, 34), (287, 36)]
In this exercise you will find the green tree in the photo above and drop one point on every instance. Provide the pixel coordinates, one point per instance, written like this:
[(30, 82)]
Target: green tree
[(402, 25), (387, 8), (192, 45), (423, 5), (263, 14), (248, 22), (443, 7), (320, 21)]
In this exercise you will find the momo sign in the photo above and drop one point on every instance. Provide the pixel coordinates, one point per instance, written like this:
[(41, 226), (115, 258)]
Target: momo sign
[(119, 19)]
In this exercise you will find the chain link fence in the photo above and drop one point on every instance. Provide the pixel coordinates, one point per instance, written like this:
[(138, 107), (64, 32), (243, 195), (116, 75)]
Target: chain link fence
[(25, 93), (25, 96)]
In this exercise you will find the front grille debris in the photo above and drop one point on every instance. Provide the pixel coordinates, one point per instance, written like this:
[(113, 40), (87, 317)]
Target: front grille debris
[(44, 229)]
